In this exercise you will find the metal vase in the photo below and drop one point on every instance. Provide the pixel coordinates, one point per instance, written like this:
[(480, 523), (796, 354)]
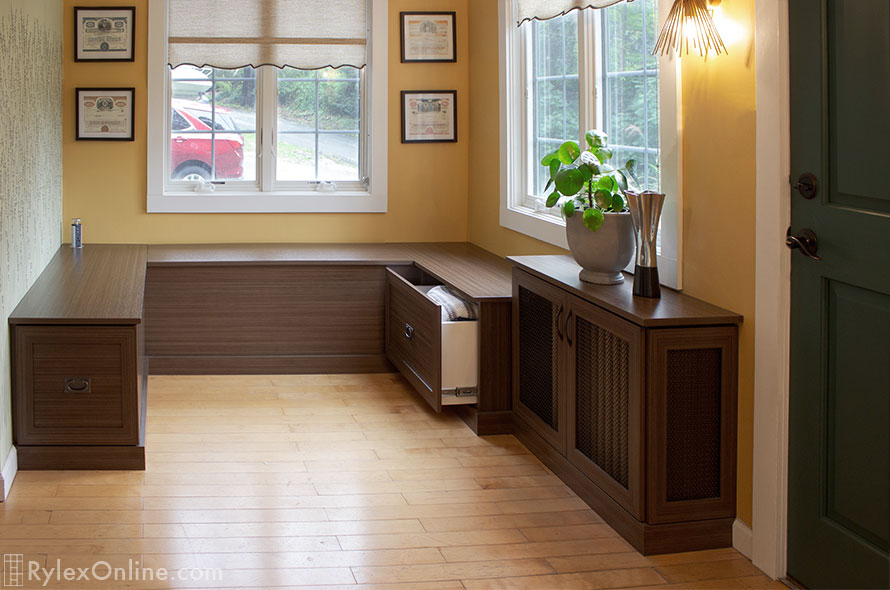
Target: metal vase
[(645, 210)]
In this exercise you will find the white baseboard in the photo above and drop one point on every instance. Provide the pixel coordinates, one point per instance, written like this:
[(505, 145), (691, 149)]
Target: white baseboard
[(742, 538), (7, 475)]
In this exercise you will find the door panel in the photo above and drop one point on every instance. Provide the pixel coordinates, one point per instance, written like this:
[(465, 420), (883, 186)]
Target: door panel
[(539, 363), (605, 399), (839, 448), (857, 111), (857, 440)]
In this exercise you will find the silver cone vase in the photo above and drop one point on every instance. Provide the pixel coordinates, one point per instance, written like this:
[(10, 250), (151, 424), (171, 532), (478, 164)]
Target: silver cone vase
[(645, 210)]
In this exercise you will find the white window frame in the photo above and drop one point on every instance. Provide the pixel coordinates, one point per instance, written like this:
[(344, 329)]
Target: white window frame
[(516, 208), (165, 196)]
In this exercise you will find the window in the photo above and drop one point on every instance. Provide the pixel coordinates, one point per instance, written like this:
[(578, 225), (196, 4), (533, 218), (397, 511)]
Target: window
[(319, 125), (588, 69), (554, 111), (267, 139), (316, 136), (631, 89)]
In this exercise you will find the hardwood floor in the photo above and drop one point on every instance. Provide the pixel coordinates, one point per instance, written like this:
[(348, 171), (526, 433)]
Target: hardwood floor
[(344, 481)]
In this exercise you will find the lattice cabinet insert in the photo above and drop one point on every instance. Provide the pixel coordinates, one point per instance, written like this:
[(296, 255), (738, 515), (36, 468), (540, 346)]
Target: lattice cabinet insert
[(631, 402)]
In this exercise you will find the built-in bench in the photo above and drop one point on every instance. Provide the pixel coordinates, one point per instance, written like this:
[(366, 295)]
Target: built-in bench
[(99, 319), (630, 401)]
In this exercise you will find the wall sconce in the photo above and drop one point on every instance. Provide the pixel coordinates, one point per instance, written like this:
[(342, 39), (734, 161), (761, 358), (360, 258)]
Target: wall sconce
[(690, 21)]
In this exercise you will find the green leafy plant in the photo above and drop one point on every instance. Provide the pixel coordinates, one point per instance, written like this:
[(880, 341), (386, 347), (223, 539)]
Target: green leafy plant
[(585, 182)]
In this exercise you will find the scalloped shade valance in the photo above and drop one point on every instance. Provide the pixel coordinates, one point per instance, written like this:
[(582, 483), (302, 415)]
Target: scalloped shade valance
[(305, 34), (547, 9)]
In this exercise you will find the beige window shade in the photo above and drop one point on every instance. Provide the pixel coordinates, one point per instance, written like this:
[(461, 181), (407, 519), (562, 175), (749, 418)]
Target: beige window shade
[(306, 34), (547, 9)]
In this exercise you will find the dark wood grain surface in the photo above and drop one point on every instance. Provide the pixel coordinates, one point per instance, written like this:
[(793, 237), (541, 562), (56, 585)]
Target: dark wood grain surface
[(479, 274), (98, 284), (263, 310), (672, 309), (45, 413)]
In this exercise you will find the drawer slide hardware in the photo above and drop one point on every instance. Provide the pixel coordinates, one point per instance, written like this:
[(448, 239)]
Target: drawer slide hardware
[(78, 385)]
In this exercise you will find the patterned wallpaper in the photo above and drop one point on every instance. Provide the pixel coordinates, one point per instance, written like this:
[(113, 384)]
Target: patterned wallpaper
[(30, 161)]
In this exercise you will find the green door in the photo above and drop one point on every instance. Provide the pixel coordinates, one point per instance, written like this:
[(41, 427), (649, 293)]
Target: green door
[(839, 470)]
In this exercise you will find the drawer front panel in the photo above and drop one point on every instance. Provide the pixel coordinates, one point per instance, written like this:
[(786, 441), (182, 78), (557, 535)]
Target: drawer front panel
[(76, 385), (414, 337)]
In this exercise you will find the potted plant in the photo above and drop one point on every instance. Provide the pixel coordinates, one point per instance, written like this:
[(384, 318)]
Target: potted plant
[(590, 194)]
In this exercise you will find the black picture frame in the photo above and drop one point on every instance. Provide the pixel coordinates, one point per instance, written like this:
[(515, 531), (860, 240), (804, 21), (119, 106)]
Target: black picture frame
[(111, 11), (77, 104), (402, 20), (405, 96)]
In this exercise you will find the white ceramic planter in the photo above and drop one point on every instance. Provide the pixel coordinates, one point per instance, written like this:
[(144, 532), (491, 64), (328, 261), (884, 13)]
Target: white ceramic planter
[(602, 254)]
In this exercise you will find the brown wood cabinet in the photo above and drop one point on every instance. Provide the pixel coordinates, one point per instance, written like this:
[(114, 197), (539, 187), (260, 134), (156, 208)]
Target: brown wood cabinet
[(78, 364), (632, 403), (443, 360)]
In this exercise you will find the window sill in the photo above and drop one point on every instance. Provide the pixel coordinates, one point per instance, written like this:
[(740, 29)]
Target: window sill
[(547, 228), (257, 202)]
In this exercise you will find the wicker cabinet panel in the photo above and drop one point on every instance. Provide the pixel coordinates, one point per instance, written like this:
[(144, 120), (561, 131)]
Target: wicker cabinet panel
[(692, 423), (605, 399), (539, 361)]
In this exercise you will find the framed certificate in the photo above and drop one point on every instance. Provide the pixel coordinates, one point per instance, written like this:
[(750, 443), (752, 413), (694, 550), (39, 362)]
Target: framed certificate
[(428, 37), (429, 116), (103, 34), (105, 113)]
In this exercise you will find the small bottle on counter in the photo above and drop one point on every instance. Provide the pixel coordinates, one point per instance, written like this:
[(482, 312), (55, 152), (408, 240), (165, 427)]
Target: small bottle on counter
[(76, 233)]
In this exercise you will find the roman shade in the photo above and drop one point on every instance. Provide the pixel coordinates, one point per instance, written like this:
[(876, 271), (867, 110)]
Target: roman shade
[(305, 34), (547, 9)]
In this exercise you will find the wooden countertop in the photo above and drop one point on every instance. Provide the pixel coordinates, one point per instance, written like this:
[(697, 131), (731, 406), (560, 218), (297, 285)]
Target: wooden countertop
[(105, 284), (99, 284), (672, 309), (478, 273)]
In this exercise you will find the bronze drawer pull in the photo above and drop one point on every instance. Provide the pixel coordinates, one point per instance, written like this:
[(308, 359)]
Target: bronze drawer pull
[(77, 385)]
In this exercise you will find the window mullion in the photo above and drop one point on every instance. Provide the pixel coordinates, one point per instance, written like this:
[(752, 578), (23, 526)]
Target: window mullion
[(267, 102), (530, 111), (587, 71)]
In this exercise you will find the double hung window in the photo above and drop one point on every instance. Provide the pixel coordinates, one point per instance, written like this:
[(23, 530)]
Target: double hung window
[(587, 69), (267, 123)]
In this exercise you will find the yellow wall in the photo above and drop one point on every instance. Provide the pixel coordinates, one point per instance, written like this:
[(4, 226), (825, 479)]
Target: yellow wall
[(718, 172), (718, 199), (484, 197), (105, 182)]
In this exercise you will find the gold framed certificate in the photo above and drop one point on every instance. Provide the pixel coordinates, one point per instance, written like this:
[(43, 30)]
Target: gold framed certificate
[(429, 116), (103, 33), (428, 37), (105, 113)]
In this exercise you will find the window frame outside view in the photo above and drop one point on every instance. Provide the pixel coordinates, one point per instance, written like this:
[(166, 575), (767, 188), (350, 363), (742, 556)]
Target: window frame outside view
[(560, 56), (295, 125)]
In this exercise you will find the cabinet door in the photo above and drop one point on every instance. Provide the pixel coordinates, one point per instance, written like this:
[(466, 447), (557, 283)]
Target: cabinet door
[(605, 402), (539, 363), (691, 409)]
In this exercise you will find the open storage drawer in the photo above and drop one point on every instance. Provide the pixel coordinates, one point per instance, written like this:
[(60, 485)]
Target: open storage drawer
[(439, 358)]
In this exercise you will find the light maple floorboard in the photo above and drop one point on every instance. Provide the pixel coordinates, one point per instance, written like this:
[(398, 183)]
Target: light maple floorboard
[(331, 481)]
